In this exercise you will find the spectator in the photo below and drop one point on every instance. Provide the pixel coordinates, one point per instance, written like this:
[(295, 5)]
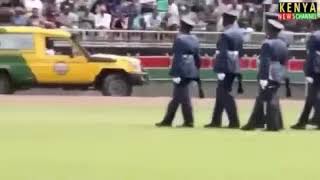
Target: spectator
[(234, 5), (67, 4), (244, 13), (81, 3), (97, 4), (110, 4), (247, 30), (33, 4), (5, 3), (102, 19), (121, 15), (19, 18), (173, 16), (219, 8), (120, 23), (50, 6), (198, 14), (139, 23), (35, 18), (67, 18), (51, 19), (58, 3), (86, 18), (251, 14), (257, 19), (304, 26), (211, 17), (117, 9), (138, 6), (134, 9), (153, 22)]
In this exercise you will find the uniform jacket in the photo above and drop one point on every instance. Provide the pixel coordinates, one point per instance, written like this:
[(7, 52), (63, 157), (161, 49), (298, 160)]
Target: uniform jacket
[(229, 50), (312, 64), (186, 58), (273, 58)]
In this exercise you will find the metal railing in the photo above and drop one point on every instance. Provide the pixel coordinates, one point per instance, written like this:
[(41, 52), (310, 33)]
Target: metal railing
[(166, 37)]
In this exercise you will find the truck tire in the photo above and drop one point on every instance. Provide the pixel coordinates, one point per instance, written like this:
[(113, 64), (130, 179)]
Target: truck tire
[(5, 84), (116, 85)]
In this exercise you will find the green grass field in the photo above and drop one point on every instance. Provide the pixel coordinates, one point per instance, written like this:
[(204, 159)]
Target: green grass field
[(117, 141)]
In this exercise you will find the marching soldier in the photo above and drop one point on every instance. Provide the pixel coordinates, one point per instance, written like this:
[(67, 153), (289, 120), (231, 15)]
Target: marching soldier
[(273, 57), (312, 73), (185, 68), (227, 67), (260, 118)]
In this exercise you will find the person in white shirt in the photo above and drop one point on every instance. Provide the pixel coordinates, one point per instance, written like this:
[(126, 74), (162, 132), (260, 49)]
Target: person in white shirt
[(234, 6), (102, 19), (68, 19), (32, 4), (153, 21), (246, 29), (173, 16)]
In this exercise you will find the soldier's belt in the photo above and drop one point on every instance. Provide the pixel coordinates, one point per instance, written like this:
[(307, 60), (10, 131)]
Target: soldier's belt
[(232, 53), (275, 66), (187, 55)]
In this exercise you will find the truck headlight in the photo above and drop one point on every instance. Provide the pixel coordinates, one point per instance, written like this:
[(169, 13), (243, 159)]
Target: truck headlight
[(136, 63)]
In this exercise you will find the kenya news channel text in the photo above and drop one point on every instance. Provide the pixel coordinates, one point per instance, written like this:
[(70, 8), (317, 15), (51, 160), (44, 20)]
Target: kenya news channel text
[(298, 11)]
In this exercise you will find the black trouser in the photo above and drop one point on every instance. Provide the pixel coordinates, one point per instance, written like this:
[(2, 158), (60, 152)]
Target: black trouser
[(181, 96), (312, 101), (273, 115), (225, 100)]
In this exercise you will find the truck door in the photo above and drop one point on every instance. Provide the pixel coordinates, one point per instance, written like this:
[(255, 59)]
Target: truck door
[(63, 63)]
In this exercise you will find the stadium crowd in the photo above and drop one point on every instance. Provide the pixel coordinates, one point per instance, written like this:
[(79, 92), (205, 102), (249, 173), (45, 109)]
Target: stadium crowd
[(134, 14)]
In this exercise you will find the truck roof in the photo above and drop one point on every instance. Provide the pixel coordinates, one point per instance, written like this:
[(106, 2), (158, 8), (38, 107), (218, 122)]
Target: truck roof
[(30, 29)]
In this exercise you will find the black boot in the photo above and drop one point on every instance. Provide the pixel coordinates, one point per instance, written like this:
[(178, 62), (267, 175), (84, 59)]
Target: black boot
[(189, 125), (212, 125), (248, 128), (298, 126), (162, 124), (313, 122), (272, 130), (234, 126), (260, 126)]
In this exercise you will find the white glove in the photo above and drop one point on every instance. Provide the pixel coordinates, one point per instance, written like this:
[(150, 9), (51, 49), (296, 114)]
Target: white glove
[(309, 80), (221, 76), (176, 80), (263, 83)]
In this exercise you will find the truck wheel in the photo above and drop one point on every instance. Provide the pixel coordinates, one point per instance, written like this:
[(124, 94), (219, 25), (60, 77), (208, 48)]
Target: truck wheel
[(116, 85), (5, 84)]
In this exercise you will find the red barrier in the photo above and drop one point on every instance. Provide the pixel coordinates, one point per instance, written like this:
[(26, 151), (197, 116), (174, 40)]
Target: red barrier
[(294, 65)]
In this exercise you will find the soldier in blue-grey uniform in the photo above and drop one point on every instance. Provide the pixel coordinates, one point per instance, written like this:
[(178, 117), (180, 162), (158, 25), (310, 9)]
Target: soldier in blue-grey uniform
[(260, 118), (227, 66), (185, 68), (272, 71), (312, 73)]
